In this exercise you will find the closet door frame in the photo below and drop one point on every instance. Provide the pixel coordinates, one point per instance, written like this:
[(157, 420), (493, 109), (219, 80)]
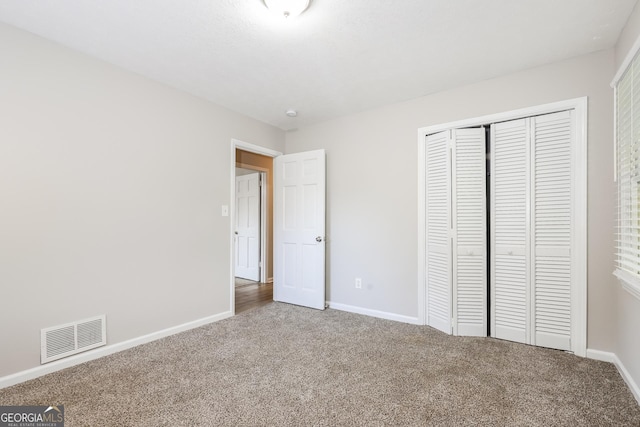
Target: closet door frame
[(579, 255)]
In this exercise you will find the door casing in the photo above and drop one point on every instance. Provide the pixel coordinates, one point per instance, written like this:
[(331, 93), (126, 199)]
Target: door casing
[(244, 146)]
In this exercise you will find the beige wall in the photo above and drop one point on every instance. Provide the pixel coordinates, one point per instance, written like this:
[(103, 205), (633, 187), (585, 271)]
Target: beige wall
[(628, 36), (111, 187), (372, 184), (264, 164), (628, 309)]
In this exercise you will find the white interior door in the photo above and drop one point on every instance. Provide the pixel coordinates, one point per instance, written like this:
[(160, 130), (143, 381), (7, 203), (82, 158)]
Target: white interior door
[(469, 231), (510, 260), (247, 254), (553, 228), (299, 229), (438, 225), (456, 231), (533, 230)]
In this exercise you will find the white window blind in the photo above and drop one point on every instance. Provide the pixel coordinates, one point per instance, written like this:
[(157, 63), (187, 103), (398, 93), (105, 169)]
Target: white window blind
[(628, 177)]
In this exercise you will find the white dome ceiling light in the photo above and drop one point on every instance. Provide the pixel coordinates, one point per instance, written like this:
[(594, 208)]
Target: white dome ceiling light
[(287, 8)]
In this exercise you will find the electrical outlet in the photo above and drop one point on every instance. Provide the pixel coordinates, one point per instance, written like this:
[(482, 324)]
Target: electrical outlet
[(358, 283)]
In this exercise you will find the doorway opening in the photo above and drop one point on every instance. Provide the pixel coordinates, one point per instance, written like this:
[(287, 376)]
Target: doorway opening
[(251, 220)]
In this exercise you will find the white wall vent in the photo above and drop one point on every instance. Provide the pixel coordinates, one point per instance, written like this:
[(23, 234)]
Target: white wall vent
[(72, 338)]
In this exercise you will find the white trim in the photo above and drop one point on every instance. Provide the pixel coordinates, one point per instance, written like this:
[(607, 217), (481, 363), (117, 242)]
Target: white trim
[(579, 333), (375, 313), (627, 61), (628, 282), (615, 134), (263, 227), (633, 289), (60, 364), (579, 295), (537, 110), (606, 356), (423, 306), (245, 146)]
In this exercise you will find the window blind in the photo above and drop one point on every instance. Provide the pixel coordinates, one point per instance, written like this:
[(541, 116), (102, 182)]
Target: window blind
[(628, 175)]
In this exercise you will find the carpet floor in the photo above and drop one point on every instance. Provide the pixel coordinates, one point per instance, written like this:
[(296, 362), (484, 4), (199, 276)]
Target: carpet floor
[(285, 365)]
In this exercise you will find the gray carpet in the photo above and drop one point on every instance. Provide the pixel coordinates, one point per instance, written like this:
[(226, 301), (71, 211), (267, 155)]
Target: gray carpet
[(285, 365)]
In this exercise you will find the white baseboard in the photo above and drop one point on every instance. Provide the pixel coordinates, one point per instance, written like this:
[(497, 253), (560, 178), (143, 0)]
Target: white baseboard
[(374, 313), (606, 356), (60, 364)]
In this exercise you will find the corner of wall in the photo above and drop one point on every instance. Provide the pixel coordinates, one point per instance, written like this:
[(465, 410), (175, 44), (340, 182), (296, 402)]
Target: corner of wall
[(606, 356)]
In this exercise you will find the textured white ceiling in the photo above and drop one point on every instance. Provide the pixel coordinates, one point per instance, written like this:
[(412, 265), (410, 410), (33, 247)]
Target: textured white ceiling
[(338, 58)]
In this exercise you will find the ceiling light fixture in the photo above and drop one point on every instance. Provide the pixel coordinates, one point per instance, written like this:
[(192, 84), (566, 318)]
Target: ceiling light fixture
[(291, 113), (287, 8)]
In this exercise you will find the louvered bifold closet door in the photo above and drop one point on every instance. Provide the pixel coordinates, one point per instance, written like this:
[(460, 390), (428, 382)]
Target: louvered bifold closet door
[(509, 231), (469, 231), (438, 195), (552, 141)]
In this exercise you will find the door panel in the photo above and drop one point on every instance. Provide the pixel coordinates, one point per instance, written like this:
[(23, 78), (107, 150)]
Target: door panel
[(299, 229), (509, 231), (532, 226), (553, 139), (247, 254), (439, 263), (469, 231)]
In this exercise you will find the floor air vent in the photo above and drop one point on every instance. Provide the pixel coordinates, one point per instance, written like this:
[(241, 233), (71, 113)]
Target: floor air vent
[(64, 340)]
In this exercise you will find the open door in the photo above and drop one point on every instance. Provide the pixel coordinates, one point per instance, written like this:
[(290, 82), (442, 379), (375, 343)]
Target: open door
[(456, 256), (299, 229), (247, 232)]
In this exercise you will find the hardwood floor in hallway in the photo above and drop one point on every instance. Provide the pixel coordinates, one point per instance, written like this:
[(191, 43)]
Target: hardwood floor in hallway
[(252, 294)]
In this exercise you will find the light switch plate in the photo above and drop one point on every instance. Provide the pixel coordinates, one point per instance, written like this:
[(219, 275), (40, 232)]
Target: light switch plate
[(225, 210)]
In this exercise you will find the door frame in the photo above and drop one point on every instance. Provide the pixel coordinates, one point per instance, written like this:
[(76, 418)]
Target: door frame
[(244, 146), (579, 295)]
